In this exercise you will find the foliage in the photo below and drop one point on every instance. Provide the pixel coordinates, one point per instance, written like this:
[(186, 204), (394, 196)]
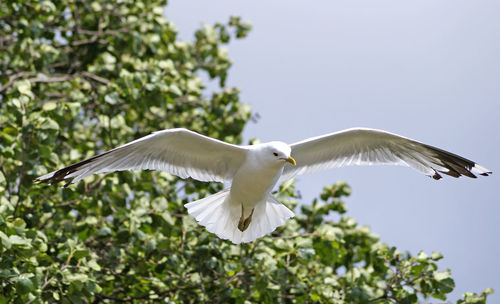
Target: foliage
[(78, 77)]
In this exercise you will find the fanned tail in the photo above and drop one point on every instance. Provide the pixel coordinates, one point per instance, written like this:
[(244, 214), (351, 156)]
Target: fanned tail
[(219, 215)]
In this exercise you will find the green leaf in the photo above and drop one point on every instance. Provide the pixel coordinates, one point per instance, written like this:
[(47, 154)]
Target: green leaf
[(446, 286), (111, 98), (16, 102), (326, 251), (306, 253), (93, 265), (23, 86), (439, 276), (17, 240), (150, 246), (80, 253), (24, 285), (104, 231), (6, 242), (48, 6), (77, 277), (436, 256), (422, 256), (49, 124), (175, 90), (49, 106)]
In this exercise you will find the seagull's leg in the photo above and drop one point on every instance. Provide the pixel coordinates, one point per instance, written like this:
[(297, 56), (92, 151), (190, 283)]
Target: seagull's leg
[(247, 221), (244, 222)]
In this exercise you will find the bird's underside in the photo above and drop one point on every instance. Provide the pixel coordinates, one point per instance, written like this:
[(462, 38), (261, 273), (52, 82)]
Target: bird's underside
[(188, 154)]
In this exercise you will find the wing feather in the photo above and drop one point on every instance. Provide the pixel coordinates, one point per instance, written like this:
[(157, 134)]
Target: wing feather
[(361, 146), (179, 152)]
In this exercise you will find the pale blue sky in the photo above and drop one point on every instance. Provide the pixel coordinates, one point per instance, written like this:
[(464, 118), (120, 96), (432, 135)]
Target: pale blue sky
[(427, 69)]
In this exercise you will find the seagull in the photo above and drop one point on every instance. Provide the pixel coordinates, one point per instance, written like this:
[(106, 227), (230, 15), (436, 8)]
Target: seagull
[(247, 210)]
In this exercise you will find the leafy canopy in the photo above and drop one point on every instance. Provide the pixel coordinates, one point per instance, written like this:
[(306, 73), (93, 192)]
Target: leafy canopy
[(78, 77)]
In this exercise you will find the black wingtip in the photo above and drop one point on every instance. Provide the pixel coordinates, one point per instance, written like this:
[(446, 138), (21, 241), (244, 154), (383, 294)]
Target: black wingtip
[(455, 165), (39, 180), (437, 176)]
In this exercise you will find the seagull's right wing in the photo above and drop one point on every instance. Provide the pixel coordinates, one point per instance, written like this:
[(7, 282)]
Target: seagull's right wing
[(369, 147), (177, 151)]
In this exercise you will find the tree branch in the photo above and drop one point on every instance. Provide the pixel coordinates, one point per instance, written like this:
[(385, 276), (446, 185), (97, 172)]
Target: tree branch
[(13, 78), (52, 78)]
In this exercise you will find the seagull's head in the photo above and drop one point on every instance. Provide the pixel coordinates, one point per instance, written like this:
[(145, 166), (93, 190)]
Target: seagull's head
[(278, 152)]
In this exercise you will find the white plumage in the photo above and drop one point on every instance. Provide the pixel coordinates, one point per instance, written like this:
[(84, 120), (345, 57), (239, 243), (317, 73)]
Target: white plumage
[(247, 210)]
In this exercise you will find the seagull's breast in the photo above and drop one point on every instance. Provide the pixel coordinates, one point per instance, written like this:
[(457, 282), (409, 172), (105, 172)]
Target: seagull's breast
[(254, 180)]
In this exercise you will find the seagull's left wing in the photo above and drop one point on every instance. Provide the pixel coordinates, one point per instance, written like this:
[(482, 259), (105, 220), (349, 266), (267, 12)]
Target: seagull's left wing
[(177, 151), (361, 146)]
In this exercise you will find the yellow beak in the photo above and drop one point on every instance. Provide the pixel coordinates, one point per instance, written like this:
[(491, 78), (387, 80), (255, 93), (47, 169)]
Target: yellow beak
[(291, 161)]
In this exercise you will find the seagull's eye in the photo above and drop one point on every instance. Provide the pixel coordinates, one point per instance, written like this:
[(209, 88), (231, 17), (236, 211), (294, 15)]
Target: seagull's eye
[(275, 154)]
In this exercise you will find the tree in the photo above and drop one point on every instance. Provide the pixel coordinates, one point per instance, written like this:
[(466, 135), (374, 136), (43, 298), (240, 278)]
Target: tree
[(78, 77)]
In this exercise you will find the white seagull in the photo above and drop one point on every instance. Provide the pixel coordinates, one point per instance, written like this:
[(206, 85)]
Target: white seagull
[(247, 210)]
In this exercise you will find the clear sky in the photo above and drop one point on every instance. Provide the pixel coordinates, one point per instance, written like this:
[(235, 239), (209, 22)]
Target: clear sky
[(427, 69)]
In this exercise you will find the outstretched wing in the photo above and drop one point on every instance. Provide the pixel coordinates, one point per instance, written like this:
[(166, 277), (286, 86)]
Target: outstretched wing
[(177, 151), (362, 146)]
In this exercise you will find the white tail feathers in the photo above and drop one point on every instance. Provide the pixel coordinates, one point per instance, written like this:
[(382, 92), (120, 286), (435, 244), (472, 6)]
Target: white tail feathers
[(220, 215)]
